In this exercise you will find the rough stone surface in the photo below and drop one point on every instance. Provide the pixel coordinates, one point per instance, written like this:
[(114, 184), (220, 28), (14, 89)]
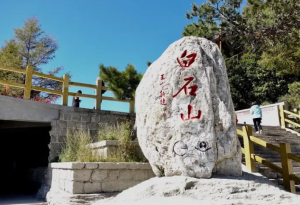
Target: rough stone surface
[(63, 198), (118, 185), (184, 113), (92, 187), (248, 189), (99, 175), (82, 175)]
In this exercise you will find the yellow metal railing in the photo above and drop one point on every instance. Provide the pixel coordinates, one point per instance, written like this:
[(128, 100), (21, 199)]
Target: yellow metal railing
[(286, 169), (283, 117), (29, 72)]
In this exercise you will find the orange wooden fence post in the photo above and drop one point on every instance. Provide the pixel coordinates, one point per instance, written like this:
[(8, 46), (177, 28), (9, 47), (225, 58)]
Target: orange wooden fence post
[(98, 93), (28, 82), (65, 90), (287, 167), (249, 148)]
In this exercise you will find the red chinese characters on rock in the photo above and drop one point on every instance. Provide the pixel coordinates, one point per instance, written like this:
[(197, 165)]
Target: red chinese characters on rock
[(163, 101), (185, 64), (184, 87), (162, 94), (190, 109), (187, 60)]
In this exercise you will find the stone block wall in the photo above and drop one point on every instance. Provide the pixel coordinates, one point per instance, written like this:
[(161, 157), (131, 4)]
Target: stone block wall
[(91, 121), (97, 177)]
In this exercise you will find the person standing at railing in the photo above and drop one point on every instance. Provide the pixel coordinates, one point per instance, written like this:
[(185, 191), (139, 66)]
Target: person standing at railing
[(76, 101), (256, 114)]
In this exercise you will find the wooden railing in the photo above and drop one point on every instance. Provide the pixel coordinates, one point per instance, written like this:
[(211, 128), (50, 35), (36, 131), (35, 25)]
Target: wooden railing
[(286, 169), (29, 72), (283, 117)]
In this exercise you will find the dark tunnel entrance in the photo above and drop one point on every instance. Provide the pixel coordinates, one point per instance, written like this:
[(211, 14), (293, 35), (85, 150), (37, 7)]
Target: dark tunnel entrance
[(23, 157)]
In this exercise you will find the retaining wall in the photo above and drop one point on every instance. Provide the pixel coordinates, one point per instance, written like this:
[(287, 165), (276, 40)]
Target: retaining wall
[(90, 121), (96, 177)]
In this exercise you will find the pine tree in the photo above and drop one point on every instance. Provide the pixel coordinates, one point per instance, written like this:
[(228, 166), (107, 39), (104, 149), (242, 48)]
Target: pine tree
[(30, 46), (122, 83), (260, 45)]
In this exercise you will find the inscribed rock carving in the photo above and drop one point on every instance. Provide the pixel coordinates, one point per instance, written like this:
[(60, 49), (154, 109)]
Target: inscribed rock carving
[(184, 112)]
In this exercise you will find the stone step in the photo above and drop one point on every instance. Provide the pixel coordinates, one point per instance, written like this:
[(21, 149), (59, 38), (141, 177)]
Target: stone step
[(268, 155), (296, 170), (271, 130), (264, 153), (292, 141), (294, 149), (240, 125), (279, 139), (280, 183), (275, 136), (295, 165), (279, 134), (266, 150)]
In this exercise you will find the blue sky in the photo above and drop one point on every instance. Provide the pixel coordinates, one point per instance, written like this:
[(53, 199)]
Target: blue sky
[(90, 32)]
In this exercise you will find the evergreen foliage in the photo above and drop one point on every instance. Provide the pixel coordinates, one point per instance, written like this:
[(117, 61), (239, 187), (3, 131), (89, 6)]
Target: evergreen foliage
[(122, 83), (293, 97), (29, 46), (260, 45)]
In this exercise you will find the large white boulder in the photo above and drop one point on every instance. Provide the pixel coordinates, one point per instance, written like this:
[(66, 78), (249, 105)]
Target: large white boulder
[(184, 112)]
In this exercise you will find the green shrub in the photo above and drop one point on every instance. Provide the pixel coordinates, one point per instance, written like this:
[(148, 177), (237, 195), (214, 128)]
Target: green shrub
[(293, 97), (265, 103), (75, 149), (108, 132), (76, 146), (126, 151)]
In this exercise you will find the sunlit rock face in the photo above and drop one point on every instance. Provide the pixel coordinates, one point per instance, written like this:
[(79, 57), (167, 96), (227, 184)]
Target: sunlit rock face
[(184, 112)]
